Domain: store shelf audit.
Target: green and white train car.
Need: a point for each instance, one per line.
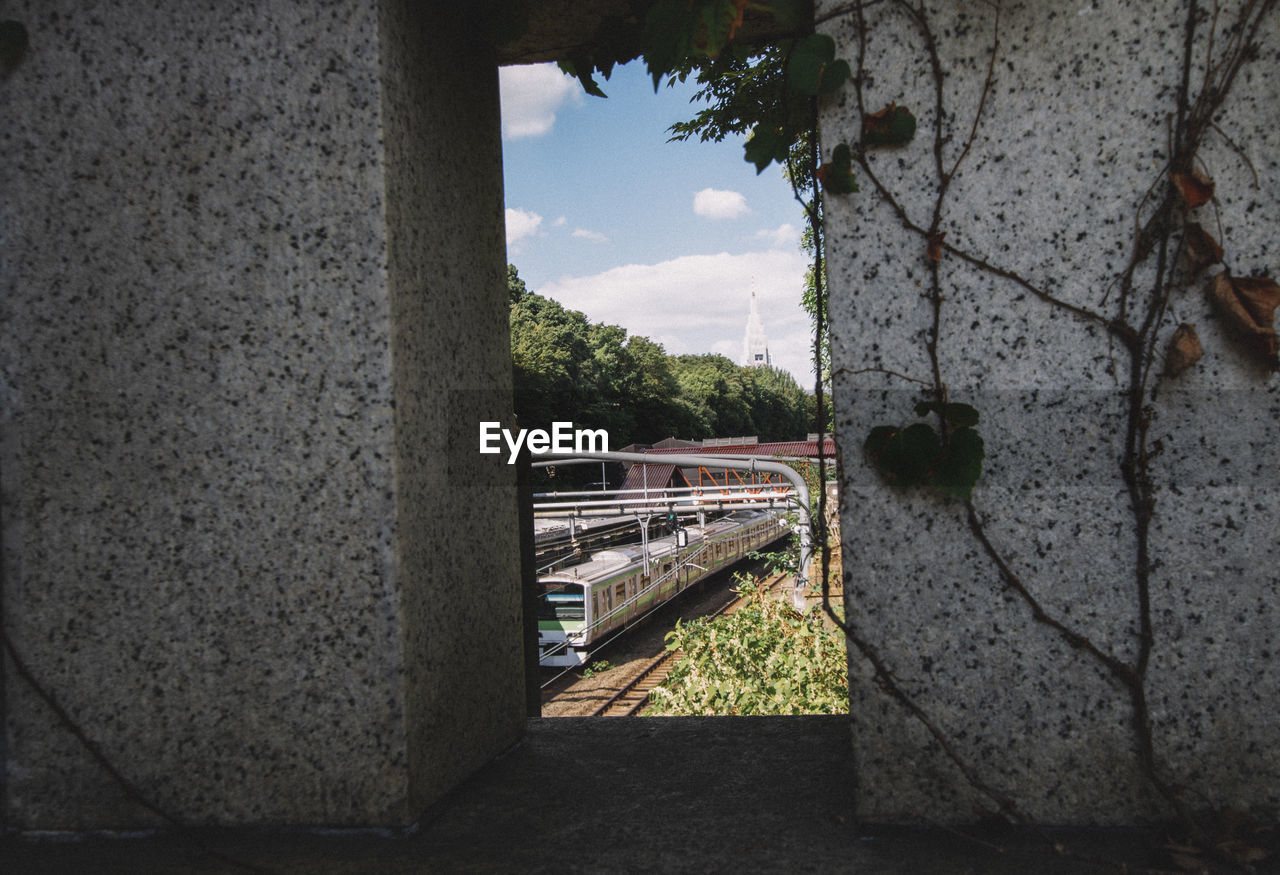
(581, 605)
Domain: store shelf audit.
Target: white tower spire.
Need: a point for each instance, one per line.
(755, 346)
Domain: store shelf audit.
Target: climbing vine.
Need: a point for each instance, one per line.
(1169, 251)
(1133, 318)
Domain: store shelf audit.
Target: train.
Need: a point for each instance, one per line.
(581, 605)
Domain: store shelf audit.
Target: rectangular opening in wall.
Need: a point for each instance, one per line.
(656, 294)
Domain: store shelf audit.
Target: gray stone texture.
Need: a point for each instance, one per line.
(253, 280)
(1074, 133)
(653, 794)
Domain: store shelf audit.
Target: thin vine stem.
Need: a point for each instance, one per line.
(1156, 235)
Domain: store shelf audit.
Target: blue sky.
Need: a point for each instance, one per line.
(665, 239)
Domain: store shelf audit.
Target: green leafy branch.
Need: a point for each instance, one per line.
(765, 658)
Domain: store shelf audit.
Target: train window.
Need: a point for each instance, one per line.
(561, 601)
(620, 591)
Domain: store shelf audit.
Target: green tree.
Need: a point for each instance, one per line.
(568, 368)
(516, 289)
(714, 387)
(606, 380)
(653, 392)
(549, 346)
(779, 407)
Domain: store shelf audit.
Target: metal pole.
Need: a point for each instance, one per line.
(644, 540)
(528, 588)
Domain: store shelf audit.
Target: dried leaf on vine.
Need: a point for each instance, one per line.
(892, 126)
(1195, 187)
(1249, 306)
(1184, 350)
(934, 249)
(1202, 250)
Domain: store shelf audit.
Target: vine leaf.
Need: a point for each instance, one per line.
(1195, 187)
(1202, 250)
(767, 146)
(678, 29)
(918, 456)
(582, 72)
(892, 126)
(1184, 350)
(814, 69)
(836, 175)
(961, 465)
(904, 457)
(1249, 306)
(957, 415)
(13, 45)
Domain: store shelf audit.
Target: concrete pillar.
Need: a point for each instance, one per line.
(253, 309)
(1066, 162)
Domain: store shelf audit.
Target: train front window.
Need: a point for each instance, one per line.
(561, 601)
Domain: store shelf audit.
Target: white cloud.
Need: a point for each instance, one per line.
(531, 97)
(593, 236)
(785, 236)
(560, 222)
(713, 203)
(699, 303)
(521, 224)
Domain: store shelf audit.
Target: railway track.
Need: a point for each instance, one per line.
(633, 697)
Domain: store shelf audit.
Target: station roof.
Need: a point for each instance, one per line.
(643, 474)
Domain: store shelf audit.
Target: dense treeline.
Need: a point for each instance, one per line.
(597, 376)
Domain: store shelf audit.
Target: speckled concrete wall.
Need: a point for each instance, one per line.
(1069, 150)
(251, 282)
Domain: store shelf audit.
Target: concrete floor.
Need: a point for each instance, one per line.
(753, 794)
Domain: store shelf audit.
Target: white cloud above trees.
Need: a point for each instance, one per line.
(531, 96)
(781, 237)
(699, 303)
(521, 224)
(714, 203)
